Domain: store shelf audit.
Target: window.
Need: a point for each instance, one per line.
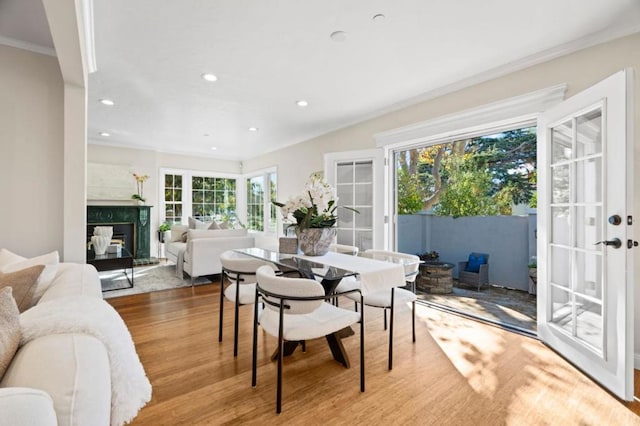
(173, 198)
(354, 186)
(261, 213)
(255, 203)
(213, 197)
(198, 194)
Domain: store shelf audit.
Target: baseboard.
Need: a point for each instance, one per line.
(636, 361)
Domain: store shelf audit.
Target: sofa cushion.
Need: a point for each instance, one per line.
(9, 328)
(74, 279)
(23, 283)
(474, 262)
(26, 407)
(215, 233)
(175, 248)
(176, 232)
(73, 369)
(49, 260)
(214, 225)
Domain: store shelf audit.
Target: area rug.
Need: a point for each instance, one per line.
(146, 279)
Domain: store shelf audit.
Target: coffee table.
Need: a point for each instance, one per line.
(113, 261)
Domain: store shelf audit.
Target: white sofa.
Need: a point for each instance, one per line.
(200, 254)
(61, 379)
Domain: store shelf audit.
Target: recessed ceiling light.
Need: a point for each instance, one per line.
(209, 77)
(338, 36)
(379, 17)
(213, 148)
(253, 129)
(302, 103)
(206, 135)
(108, 102)
(104, 134)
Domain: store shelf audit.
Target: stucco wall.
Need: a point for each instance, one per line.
(31, 152)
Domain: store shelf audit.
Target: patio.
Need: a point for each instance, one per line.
(515, 308)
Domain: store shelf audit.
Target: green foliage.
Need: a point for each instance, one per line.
(166, 226)
(410, 198)
(466, 195)
(480, 176)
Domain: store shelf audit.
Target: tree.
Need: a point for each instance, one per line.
(479, 176)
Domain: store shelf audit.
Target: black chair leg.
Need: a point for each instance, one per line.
(254, 360)
(391, 330)
(280, 356)
(362, 351)
(304, 346)
(385, 316)
(221, 306)
(237, 314)
(413, 320)
(355, 306)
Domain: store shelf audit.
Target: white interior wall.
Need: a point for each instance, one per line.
(31, 152)
(578, 70)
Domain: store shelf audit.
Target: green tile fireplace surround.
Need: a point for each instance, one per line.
(135, 218)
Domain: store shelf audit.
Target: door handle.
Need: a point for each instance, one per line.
(615, 243)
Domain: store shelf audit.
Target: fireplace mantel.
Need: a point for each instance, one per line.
(139, 216)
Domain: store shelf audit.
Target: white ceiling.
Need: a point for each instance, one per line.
(269, 54)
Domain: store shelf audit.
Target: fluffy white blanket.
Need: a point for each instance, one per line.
(130, 387)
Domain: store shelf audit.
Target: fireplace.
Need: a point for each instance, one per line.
(130, 223)
(123, 233)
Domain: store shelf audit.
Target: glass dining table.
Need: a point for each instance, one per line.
(329, 270)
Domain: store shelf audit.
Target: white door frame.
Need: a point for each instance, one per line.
(376, 156)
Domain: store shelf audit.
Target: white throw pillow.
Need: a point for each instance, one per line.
(49, 260)
(7, 257)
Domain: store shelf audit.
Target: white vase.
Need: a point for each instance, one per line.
(105, 231)
(315, 241)
(100, 243)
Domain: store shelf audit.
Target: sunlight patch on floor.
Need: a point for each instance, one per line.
(472, 350)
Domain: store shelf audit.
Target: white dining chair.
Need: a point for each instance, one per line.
(388, 299)
(240, 272)
(296, 310)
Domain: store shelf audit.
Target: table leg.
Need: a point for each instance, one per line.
(289, 349)
(337, 349)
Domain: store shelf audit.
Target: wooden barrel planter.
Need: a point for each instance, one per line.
(435, 277)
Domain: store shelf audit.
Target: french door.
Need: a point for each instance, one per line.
(585, 239)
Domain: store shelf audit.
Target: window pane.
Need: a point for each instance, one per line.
(589, 322)
(589, 180)
(560, 184)
(561, 313)
(561, 270)
(561, 142)
(560, 226)
(364, 172)
(589, 133)
(345, 172)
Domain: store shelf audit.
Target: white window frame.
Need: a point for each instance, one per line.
(270, 229)
(518, 111)
(187, 175)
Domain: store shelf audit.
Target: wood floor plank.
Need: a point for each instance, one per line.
(459, 372)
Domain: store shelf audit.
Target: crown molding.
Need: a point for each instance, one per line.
(25, 45)
(500, 113)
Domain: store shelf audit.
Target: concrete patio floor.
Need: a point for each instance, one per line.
(497, 304)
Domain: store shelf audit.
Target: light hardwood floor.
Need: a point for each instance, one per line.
(459, 372)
